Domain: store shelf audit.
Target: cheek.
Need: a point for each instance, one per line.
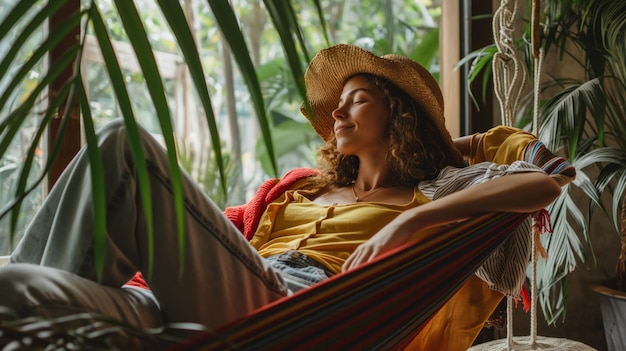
(384, 124)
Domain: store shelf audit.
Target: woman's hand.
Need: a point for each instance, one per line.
(394, 234)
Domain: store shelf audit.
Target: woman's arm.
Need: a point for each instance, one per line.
(520, 192)
(464, 144)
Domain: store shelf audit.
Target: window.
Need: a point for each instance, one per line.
(11, 163)
(392, 25)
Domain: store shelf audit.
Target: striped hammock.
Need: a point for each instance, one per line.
(379, 306)
(382, 305)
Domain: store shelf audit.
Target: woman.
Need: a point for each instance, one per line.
(387, 154)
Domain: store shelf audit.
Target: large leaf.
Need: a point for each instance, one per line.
(428, 49)
(123, 100)
(178, 23)
(284, 19)
(230, 29)
(97, 176)
(563, 117)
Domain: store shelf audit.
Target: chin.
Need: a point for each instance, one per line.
(344, 151)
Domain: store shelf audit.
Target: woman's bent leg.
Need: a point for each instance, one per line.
(219, 279)
(48, 292)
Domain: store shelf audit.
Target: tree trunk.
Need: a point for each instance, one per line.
(71, 143)
(236, 193)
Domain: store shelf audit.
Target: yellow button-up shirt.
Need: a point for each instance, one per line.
(327, 234)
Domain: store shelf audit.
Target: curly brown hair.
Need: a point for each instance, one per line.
(416, 148)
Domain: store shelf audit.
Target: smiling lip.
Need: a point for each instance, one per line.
(341, 128)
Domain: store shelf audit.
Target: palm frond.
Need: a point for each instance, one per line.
(123, 100)
(230, 29)
(176, 18)
(97, 176)
(563, 117)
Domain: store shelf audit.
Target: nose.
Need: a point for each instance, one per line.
(338, 113)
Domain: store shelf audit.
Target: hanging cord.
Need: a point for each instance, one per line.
(509, 75)
(539, 223)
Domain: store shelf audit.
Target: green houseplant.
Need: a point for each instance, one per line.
(581, 118)
(586, 117)
(604, 93)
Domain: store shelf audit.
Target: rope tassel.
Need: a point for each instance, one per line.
(541, 224)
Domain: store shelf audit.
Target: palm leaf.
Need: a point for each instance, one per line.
(615, 160)
(228, 22)
(481, 64)
(138, 37)
(97, 176)
(35, 58)
(563, 116)
(280, 10)
(178, 23)
(123, 100)
(428, 49)
(28, 30)
(321, 15)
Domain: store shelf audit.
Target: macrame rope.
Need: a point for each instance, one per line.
(509, 75)
(539, 223)
(536, 243)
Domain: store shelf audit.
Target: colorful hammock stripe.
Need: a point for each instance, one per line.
(380, 305)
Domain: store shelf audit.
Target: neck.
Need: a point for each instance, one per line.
(373, 175)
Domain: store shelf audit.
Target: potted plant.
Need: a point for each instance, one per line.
(583, 119)
(608, 19)
(588, 119)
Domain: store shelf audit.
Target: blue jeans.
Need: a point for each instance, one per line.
(298, 270)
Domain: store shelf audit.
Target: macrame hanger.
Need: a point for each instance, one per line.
(509, 75)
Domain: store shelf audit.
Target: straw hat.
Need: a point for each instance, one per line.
(330, 69)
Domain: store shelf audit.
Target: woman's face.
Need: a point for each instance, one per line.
(361, 118)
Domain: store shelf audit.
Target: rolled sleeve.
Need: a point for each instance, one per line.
(505, 269)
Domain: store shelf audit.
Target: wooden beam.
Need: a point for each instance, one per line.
(449, 36)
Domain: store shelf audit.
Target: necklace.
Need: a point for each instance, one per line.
(357, 198)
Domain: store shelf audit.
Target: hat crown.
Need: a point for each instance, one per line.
(423, 73)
